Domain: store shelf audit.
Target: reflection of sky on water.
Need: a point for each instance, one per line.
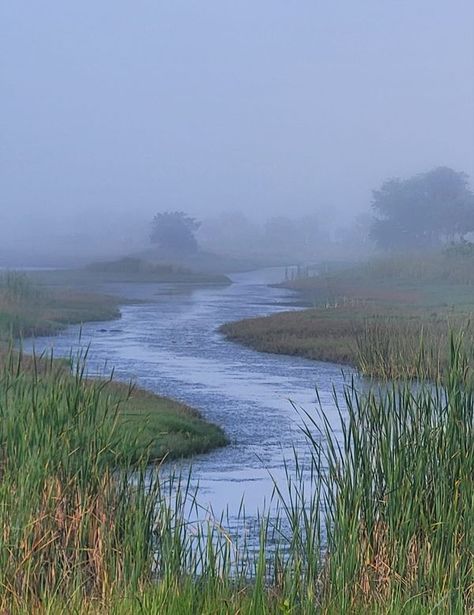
(169, 344)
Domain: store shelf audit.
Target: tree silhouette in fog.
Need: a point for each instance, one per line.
(173, 232)
(423, 211)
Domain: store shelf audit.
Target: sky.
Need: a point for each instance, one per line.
(117, 109)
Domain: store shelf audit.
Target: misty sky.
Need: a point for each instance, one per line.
(258, 105)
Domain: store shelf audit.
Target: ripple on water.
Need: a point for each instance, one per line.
(170, 345)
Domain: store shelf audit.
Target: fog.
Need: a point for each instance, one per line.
(113, 110)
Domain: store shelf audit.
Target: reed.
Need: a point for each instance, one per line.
(399, 490)
(379, 518)
(389, 318)
(390, 348)
(27, 308)
(67, 509)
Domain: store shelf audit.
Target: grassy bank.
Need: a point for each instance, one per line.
(126, 270)
(28, 309)
(165, 427)
(389, 318)
(380, 520)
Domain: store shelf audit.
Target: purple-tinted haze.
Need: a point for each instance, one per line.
(270, 107)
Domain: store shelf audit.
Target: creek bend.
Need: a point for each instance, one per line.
(169, 344)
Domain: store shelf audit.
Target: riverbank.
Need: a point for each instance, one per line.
(389, 318)
(164, 428)
(126, 270)
(28, 309)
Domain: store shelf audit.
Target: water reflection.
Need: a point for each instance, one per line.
(168, 342)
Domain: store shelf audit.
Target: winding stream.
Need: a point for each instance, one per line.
(170, 345)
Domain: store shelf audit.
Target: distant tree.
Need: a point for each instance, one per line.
(174, 231)
(423, 211)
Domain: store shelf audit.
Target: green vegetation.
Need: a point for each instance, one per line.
(124, 270)
(390, 318)
(130, 269)
(380, 520)
(165, 428)
(72, 522)
(28, 309)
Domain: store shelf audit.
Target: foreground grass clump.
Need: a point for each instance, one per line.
(80, 517)
(73, 524)
(161, 428)
(401, 494)
(379, 520)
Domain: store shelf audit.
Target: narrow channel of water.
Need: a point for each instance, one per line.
(170, 345)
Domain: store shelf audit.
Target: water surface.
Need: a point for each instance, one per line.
(170, 345)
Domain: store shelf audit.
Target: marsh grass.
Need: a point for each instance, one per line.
(20, 301)
(67, 509)
(389, 348)
(389, 318)
(453, 266)
(382, 344)
(128, 270)
(82, 517)
(27, 308)
(163, 427)
(380, 519)
(400, 494)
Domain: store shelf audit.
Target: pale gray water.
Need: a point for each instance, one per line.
(170, 345)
